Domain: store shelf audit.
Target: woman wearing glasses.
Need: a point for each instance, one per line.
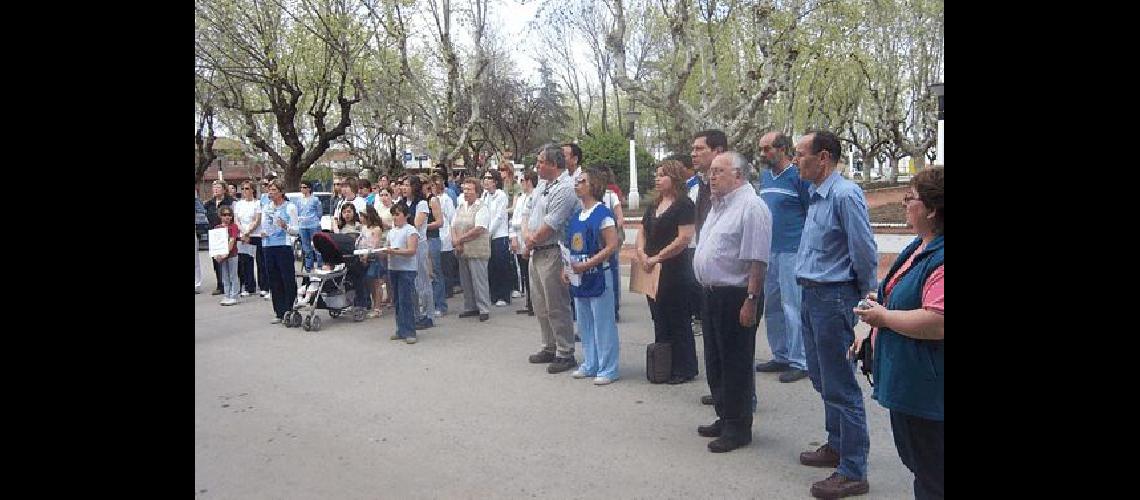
(500, 272)
(247, 211)
(908, 339)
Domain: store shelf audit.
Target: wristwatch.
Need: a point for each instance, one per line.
(751, 296)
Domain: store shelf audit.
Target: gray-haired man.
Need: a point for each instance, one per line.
(729, 263)
(553, 203)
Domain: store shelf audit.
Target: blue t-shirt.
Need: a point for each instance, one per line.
(787, 197)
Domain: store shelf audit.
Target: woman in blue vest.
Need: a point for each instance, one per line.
(908, 339)
(591, 237)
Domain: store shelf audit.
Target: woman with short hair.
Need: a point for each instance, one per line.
(473, 247)
(908, 338)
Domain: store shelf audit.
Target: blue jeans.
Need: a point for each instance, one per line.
(403, 285)
(306, 235)
(598, 331)
(829, 329)
(282, 280)
(423, 300)
(782, 296)
(437, 280)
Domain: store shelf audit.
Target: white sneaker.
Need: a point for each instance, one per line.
(515, 294)
(437, 314)
(603, 381)
(579, 374)
(244, 293)
(500, 303)
(228, 302)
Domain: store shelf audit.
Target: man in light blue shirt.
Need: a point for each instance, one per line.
(836, 267)
(786, 195)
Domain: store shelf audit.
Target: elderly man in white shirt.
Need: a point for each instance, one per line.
(730, 263)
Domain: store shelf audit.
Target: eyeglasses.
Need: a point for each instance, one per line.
(306, 187)
(908, 198)
(227, 215)
(247, 188)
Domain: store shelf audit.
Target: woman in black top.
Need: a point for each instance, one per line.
(667, 228)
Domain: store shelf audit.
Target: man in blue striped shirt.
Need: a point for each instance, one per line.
(786, 195)
(836, 267)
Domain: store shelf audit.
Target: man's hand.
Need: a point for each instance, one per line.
(458, 248)
(748, 314)
(580, 267)
(565, 277)
(514, 246)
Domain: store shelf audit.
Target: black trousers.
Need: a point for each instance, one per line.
(729, 352)
(262, 278)
(246, 273)
(524, 270)
(922, 447)
(696, 296)
(671, 312)
(450, 272)
(217, 275)
(500, 272)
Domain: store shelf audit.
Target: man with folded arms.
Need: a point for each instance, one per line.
(729, 264)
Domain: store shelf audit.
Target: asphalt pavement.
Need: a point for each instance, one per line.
(346, 413)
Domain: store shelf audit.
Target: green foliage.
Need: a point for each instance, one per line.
(321, 173)
(613, 149)
(530, 160)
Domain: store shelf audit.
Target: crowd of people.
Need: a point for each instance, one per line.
(792, 244)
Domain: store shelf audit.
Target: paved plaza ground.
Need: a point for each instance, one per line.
(346, 413)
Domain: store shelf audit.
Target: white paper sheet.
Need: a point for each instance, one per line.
(219, 242)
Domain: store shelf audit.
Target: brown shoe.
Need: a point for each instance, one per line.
(561, 364)
(839, 486)
(825, 456)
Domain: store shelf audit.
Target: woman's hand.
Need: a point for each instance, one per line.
(580, 267)
(875, 315)
(565, 277)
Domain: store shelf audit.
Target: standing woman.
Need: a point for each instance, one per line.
(613, 202)
(280, 221)
(446, 247)
(420, 209)
(473, 247)
(435, 222)
(384, 205)
(908, 339)
(247, 214)
(518, 243)
(667, 228)
(591, 236)
(309, 213)
(500, 272)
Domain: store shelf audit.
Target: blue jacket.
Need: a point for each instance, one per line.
(909, 373)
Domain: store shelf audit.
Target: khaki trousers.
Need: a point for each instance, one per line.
(551, 301)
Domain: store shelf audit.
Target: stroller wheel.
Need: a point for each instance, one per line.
(316, 323)
(333, 313)
(358, 314)
(296, 320)
(287, 319)
(307, 324)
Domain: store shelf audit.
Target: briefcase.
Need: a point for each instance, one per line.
(658, 362)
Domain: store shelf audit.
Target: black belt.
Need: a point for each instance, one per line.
(725, 288)
(804, 282)
(545, 247)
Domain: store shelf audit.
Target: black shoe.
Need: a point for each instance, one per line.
(707, 399)
(792, 375)
(577, 338)
(542, 357)
(484, 317)
(560, 365)
(217, 292)
(724, 444)
(527, 312)
(712, 430)
(773, 367)
(468, 314)
(677, 379)
(424, 325)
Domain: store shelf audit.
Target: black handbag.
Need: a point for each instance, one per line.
(866, 359)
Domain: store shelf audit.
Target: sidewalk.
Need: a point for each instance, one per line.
(346, 413)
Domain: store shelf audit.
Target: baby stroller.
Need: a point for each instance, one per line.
(332, 290)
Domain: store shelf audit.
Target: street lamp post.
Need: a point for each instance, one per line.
(938, 90)
(634, 197)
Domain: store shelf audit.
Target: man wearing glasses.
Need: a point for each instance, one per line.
(835, 266)
(787, 198)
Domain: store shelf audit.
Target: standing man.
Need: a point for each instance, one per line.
(219, 200)
(337, 197)
(572, 153)
(836, 267)
(786, 195)
(280, 219)
(730, 262)
(553, 203)
(706, 145)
